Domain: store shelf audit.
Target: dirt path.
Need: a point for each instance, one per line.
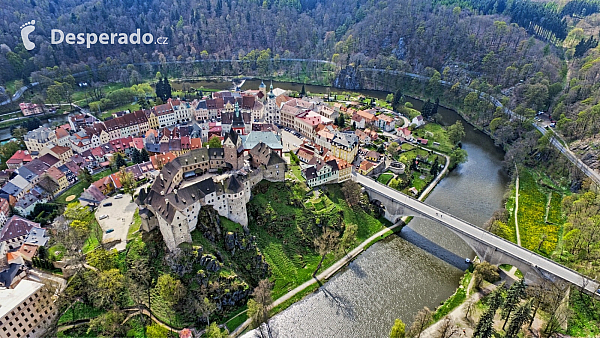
(458, 315)
(548, 207)
(517, 210)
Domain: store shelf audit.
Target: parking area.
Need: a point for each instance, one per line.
(289, 140)
(544, 120)
(117, 214)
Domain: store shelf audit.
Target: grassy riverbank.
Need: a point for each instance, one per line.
(286, 242)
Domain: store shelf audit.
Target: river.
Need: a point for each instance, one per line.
(5, 134)
(421, 266)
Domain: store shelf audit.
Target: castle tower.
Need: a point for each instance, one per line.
(273, 115)
(234, 150)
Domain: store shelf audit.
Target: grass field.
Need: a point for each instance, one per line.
(78, 187)
(137, 223)
(129, 106)
(435, 133)
(455, 300)
(535, 234)
(79, 311)
(385, 178)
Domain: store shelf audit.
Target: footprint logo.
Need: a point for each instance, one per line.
(27, 29)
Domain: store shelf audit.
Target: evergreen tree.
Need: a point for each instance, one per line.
(118, 161)
(515, 293)
(303, 92)
(427, 110)
(435, 168)
(136, 156)
(167, 88)
(436, 106)
(485, 326)
(397, 98)
(160, 91)
(584, 45)
(85, 176)
(521, 316)
(144, 156)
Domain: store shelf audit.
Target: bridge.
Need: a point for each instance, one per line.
(487, 246)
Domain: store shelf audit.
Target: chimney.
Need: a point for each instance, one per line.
(161, 177)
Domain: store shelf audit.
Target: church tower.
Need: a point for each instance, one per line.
(262, 88)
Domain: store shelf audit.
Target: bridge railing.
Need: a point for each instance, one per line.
(534, 258)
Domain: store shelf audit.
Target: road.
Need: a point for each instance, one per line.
(517, 210)
(469, 230)
(290, 141)
(589, 172)
(18, 94)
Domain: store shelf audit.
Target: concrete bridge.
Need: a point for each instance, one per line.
(487, 246)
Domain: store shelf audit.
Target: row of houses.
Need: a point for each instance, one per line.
(26, 306)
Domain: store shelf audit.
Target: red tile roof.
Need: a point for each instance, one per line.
(21, 156)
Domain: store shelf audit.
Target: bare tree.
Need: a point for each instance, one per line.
(448, 329)
(327, 242)
(421, 321)
(469, 306)
(258, 309)
(352, 192)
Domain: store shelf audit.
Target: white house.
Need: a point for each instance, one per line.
(418, 121)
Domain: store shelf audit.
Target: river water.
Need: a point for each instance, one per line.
(5, 134)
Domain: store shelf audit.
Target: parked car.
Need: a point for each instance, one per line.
(107, 204)
(109, 231)
(103, 217)
(119, 196)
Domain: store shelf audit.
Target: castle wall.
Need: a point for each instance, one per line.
(275, 173)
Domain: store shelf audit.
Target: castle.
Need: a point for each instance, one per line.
(195, 179)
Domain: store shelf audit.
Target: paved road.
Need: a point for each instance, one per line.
(589, 172)
(19, 92)
(469, 230)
